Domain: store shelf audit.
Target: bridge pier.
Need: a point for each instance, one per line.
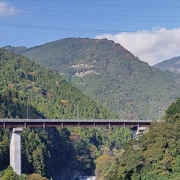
(136, 131)
(15, 149)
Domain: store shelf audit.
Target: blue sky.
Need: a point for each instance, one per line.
(149, 29)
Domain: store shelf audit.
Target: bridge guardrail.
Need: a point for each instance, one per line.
(75, 120)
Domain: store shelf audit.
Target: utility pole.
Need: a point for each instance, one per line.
(77, 112)
(121, 114)
(121, 111)
(161, 111)
(27, 108)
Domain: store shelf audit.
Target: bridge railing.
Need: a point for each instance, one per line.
(75, 120)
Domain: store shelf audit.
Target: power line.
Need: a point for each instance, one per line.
(106, 5)
(123, 17)
(54, 28)
(104, 19)
(25, 11)
(92, 14)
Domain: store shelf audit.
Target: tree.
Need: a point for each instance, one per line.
(36, 177)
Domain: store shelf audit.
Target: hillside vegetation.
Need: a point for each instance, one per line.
(154, 156)
(53, 152)
(24, 82)
(110, 75)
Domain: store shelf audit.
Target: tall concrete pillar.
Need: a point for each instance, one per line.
(15, 149)
(134, 131)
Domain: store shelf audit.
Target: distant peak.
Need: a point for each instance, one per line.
(18, 49)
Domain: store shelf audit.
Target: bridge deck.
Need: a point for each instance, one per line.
(11, 123)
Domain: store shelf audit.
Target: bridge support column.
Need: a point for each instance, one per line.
(15, 149)
(136, 131)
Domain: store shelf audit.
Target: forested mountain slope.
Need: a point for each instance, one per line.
(24, 82)
(172, 64)
(110, 75)
(53, 152)
(154, 156)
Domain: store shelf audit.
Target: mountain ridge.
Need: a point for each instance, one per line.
(17, 49)
(110, 75)
(172, 64)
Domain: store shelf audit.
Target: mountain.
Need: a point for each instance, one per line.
(110, 75)
(172, 65)
(46, 92)
(29, 91)
(17, 50)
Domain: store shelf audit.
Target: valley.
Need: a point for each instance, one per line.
(88, 79)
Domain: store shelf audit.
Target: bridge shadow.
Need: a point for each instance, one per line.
(57, 155)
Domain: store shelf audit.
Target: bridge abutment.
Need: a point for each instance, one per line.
(137, 131)
(15, 149)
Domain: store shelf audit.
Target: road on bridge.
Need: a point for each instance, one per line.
(11, 123)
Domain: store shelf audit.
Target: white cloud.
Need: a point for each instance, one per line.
(7, 9)
(151, 46)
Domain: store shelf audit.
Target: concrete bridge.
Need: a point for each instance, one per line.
(43, 123)
(16, 126)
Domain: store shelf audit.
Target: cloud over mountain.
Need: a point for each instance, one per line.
(7, 9)
(151, 46)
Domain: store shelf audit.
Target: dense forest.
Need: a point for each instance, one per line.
(155, 155)
(24, 82)
(29, 91)
(110, 75)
